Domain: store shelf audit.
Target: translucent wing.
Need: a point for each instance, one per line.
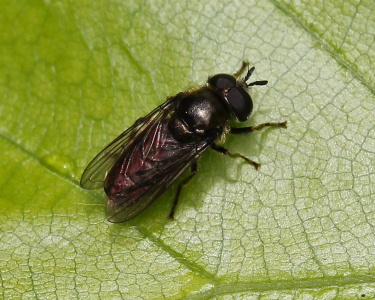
(95, 173)
(146, 170)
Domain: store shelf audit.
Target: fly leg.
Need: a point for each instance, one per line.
(243, 130)
(193, 169)
(245, 65)
(225, 151)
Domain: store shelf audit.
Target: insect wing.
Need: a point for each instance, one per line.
(143, 194)
(147, 170)
(95, 173)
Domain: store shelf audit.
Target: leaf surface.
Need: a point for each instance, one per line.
(74, 75)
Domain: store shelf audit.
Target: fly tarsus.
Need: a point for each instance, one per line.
(225, 151)
(243, 130)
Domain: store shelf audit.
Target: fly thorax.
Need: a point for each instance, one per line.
(200, 113)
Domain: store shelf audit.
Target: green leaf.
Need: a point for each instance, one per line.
(74, 75)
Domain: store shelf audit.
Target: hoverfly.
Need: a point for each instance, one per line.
(141, 163)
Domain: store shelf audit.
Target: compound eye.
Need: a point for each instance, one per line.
(240, 103)
(222, 81)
